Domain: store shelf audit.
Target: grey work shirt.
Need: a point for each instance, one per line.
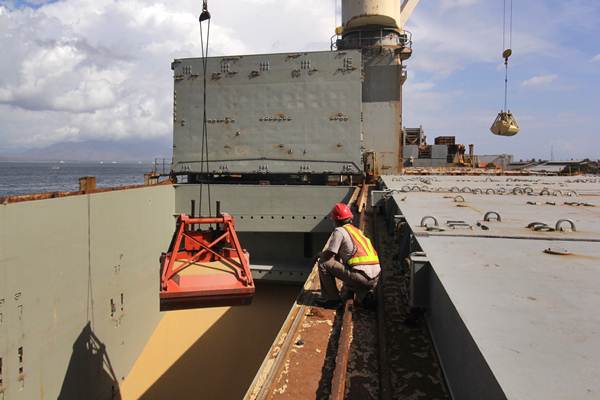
(341, 244)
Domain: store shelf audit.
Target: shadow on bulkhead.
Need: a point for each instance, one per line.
(90, 373)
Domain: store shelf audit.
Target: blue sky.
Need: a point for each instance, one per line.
(89, 70)
(554, 79)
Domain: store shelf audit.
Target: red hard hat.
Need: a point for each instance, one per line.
(341, 212)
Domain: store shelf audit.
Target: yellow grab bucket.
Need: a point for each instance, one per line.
(505, 125)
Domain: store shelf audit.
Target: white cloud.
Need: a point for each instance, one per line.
(540, 80)
(100, 69)
(419, 86)
(448, 4)
(463, 32)
(596, 58)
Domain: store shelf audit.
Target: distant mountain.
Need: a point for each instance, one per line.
(95, 150)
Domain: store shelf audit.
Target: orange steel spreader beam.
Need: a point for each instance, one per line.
(205, 266)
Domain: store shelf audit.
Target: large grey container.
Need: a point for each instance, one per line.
(439, 151)
(270, 113)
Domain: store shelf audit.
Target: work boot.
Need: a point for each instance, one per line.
(327, 303)
(369, 302)
(346, 293)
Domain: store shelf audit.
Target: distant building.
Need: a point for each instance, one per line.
(571, 167)
(501, 161)
(417, 153)
(445, 152)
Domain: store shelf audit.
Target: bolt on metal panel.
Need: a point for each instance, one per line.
(270, 113)
(268, 208)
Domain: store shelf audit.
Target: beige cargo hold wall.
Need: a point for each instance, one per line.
(78, 290)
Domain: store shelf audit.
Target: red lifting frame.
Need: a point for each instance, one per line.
(229, 285)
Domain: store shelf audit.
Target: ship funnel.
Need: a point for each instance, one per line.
(358, 14)
(375, 23)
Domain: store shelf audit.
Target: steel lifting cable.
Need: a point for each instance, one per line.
(505, 123)
(204, 166)
(506, 51)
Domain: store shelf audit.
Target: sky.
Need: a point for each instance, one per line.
(100, 69)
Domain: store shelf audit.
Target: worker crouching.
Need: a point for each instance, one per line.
(350, 257)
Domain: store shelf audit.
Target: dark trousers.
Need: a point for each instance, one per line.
(355, 281)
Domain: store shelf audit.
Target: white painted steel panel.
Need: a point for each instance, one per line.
(275, 113)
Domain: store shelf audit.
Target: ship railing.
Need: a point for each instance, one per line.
(372, 38)
(162, 166)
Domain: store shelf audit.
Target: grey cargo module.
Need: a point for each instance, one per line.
(270, 113)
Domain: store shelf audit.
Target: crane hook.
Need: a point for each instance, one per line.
(205, 14)
(505, 54)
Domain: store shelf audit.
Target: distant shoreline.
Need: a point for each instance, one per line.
(102, 162)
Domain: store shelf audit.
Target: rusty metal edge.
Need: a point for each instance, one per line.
(362, 203)
(338, 382)
(259, 387)
(462, 171)
(354, 196)
(54, 195)
(384, 372)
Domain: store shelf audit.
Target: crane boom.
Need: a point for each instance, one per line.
(406, 10)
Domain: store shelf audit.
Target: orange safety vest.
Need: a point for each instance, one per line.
(365, 253)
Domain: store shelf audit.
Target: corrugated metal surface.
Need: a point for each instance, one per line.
(439, 151)
(430, 162)
(410, 150)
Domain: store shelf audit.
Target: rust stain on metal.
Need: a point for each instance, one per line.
(311, 356)
(54, 195)
(399, 131)
(303, 373)
(338, 382)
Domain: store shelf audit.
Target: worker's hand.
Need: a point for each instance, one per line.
(315, 259)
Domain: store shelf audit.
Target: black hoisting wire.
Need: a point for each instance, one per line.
(204, 166)
(506, 51)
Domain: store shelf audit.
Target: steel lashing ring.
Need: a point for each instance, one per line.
(477, 191)
(517, 190)
(466, 189)
(405, 188)
(454, 189)
(492, 214)
(528, 190)
(545, 191)
(427, 217)
(415, 189)
(557, 193)
(571, 193)
(540, 227)
(561, 221)
(490, 191)
(459, 199)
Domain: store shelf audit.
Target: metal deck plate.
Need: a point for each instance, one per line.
(533, 316)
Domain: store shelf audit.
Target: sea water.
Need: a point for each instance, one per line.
(40, 177)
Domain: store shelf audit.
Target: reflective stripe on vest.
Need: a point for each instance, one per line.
(365, 253)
